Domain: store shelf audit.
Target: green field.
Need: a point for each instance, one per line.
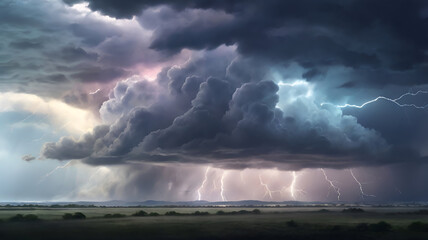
(271, 223)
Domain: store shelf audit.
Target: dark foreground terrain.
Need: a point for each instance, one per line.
(213, 223)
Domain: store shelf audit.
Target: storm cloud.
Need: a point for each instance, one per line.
(241, 113)
(246, 93)
(209, 115)
(315, 34)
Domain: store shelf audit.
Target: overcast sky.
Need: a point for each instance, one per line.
(213, 100)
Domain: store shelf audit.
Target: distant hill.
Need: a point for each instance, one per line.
(153, 203)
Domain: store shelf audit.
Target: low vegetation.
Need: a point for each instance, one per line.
(140, 213)
(245, 224)
(255, 211)
(353, 210)
(24, 218)
(76, 215)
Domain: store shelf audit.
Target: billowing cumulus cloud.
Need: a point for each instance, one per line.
(211, 115)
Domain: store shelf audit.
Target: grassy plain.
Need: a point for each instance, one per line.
(271, 223)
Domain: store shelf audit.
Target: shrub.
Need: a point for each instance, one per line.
(418, 227)
(76, 215)
(172, 213)
(17, 218)
(79, 215)
(140, 213)
(353, 210)
(256, 211)
(31, 218)
(291, 223)
(154, 214)
(198, 213)
(220, 212)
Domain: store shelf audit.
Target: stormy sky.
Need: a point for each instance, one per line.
(213, 100)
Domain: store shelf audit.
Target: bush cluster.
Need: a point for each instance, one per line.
(76, 215)
(255, 211)
(140, 213)
(353, 210)
(173, 213)
(198, 213)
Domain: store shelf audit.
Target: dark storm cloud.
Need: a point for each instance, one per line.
(210, 115)
(129, 8)
(408, 127)
(224, 105)
(57, 51)
(382, 35)
(44, 57)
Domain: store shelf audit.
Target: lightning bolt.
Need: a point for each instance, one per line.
(203, 184)
(94, 92)
(54, 170)
(293, 190)
(363, 194)
(395, 101)
(332, 185)
(223, 198)
(268, 191)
